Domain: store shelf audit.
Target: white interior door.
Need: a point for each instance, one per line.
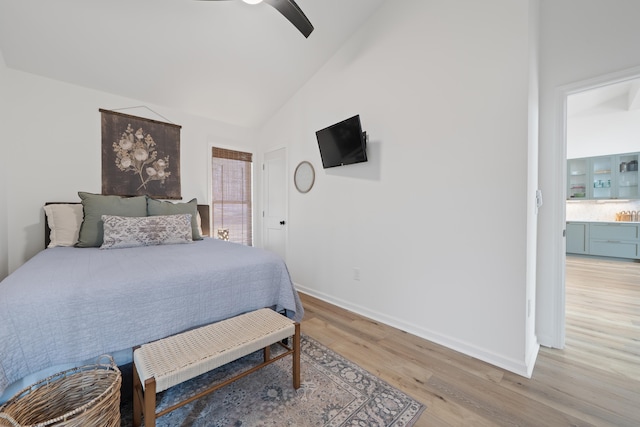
(275, 201)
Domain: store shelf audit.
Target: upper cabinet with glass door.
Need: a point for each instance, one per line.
(577, 179)
(605, 177)
(602, 177)
(627, 176)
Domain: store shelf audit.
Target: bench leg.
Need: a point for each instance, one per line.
(266, 354)
(144, 401)
(150, 402)
(296, 358)
(137, 397)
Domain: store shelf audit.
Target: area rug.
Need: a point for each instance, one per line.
(333, 392)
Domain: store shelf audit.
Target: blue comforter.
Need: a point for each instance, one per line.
(71, 304)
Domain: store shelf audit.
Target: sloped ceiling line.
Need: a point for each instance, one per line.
(227, 61)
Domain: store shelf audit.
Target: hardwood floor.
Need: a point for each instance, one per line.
(594, 381)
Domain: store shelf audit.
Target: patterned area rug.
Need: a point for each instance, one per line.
(333, 392)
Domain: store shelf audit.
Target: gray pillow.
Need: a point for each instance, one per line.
(96, 205)
(157, 207)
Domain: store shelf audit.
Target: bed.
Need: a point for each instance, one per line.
(67, 305)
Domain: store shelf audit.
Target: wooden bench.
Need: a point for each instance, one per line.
(162, 364)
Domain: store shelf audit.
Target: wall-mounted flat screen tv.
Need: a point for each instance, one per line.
(343, 143)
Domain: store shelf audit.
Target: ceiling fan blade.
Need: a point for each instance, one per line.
(290, 10)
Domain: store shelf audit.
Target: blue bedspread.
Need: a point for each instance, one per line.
(71, 304)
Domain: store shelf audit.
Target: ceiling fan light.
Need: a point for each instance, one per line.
(252, 1)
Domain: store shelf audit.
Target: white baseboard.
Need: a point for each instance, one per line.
(531, 359)
(522, 368)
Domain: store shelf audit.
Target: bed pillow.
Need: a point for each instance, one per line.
(130, 232)
(64, 220)
(96, 205)
(157, 207)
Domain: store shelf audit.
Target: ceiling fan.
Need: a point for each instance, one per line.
(290, 10)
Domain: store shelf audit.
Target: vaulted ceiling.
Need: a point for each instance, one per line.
(623, 96)
(225, 60)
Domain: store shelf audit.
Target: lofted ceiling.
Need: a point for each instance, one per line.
(225, 60)
(623, 96)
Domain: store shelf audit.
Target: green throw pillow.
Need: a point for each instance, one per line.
(157, 207)
(96, 205)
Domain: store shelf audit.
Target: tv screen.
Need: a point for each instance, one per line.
(343, 143)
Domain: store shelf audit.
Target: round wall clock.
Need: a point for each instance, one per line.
(304, 177)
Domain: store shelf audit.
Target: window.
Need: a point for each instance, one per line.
(231, 184)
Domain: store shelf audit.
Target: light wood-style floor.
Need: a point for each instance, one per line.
(594, 381)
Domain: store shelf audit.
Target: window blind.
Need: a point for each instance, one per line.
(231, 187)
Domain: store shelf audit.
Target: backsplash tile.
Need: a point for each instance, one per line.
(591, 210)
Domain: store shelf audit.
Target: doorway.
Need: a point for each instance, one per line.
(584, 98)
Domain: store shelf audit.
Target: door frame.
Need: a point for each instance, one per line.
(559, 289)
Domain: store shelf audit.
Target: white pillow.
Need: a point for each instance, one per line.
(64, 220)
(133, 231)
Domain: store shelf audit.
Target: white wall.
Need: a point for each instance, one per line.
(580, 40)
(52, 142)
(436, 221)
(610, 128)
(4, 249)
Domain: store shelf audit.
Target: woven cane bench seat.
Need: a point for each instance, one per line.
(162, 364)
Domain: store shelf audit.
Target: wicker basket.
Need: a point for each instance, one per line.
(84, 396)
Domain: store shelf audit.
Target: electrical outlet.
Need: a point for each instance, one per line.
(356, 274)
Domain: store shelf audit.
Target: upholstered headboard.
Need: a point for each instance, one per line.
(203, 210)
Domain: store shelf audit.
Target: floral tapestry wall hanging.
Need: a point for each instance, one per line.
(140, 156)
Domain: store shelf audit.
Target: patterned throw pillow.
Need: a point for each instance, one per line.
(129, 232)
